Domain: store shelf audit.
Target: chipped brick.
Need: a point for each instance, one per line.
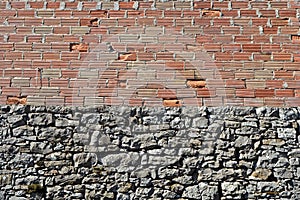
(196, 83)
(172, 103)
(79, 47)
(211, 13)
(16, 100)
(131, 56)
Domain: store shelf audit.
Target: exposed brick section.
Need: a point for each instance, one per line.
(246, 51)
(79, 47)
(16, 100)
(196, 83)
(127, 56)
(172, 103)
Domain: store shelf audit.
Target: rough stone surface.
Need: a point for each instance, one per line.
(149, 153)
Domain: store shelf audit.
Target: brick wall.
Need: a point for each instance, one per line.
(173, 53)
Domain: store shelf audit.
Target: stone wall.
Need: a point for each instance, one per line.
(144, 153)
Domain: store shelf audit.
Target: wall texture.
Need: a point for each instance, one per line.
(238, 53)
(149, 153)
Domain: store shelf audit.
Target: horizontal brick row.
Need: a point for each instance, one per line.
(79, 5)
(98, 101)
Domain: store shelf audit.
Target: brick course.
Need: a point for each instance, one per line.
(245, 52)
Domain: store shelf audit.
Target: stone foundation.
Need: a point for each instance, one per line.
(149, 153)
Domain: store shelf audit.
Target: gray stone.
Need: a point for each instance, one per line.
(40, 119)
(200, 122)
(16, 120)
(286, 133)
(85, 159)
(242, 141)
(261, 174)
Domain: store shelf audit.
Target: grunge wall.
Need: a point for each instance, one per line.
(236, 53)
(149, 99)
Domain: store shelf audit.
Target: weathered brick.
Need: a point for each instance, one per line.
(172, 103)
(211, 13)
(80, 30)
(43, 30)
(245, 93)
(16, 100)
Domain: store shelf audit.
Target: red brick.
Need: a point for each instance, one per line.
(172, 13)
(264, 93)
(135, 102)
(282, 56)
(270, 30)
(232, 47)
(25, 13)
(278, 4)
(223, 56)
(74, 101)
(69, 92)
(274, 84)
(255, 102)
(274, 102)
(292, 101)
(135, 13)
(17, 5)
(191, 13)
(245, 93)
(229, 13)
(192, 102)
(203, 39)
(279, 22)
(201, 22)
(262, 57)
(213, 102)
(11, 91)
(5, 13)
(284, 93)
(99, 13)
(51, 4)
(239, 4)
(235, 83)
(126, 5)
(221, 21)
(213, 30)
(165, 56)
(244, 74)
(55, 101)
(248, 13)
(242, 39)
(260, 5)
(241, 56)
(252, 47)
(205, 92)
(174, 65)
(166, 94)
(202, 4)
(222, 5)
(212, 47)
(268, 13)
(4, 82)
(284, 75)
(89, 5)
(153, 13)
